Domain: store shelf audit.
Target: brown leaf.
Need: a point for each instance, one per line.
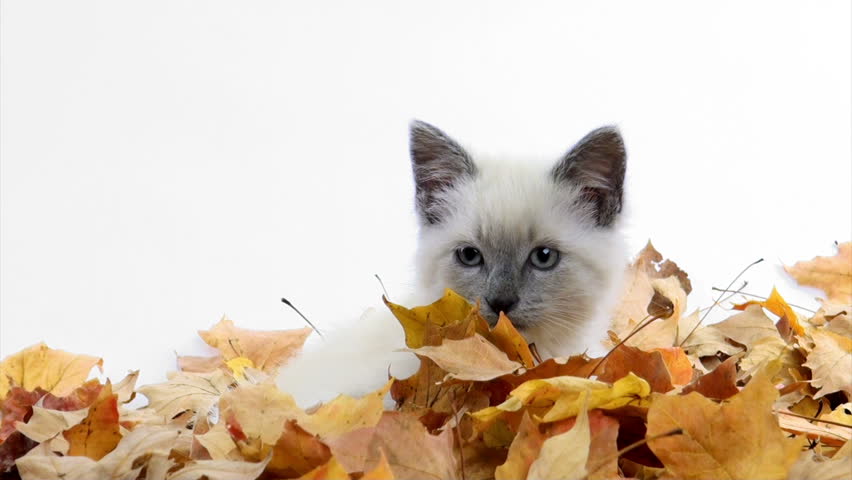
(648, 365)
(719, 384)
(833, 275)
(738, 439)
(267, 350)
(297, 452)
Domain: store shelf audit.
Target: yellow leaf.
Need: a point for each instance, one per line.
(450, 308)
(737, 439)
(345, 413)
(39, 366)
(238, 365)
(560, 397)
(833, 275)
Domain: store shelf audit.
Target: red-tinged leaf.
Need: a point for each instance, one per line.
(719, 384)
(98, 434)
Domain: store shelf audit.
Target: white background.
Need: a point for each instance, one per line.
(168, 162)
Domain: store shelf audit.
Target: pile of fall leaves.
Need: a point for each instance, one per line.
(763, 394)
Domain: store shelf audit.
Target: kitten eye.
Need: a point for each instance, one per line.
(469, 256)
(544, 258)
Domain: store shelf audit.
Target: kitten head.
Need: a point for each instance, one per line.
(538, 243)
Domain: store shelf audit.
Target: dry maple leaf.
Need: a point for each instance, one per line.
(345, 413)
(831, 363)
(195, 392)
(472, 358)
(125, 461)
(833, 275)
(411, 451)
(39, 366)
(737, 439)
(267, 350)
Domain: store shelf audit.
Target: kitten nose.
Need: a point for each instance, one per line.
(502, 303)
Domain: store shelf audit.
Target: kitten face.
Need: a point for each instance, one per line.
(540, 244)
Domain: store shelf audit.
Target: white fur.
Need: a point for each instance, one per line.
(520, 195)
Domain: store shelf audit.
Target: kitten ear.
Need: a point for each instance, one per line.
(438, 163)
(596, 164)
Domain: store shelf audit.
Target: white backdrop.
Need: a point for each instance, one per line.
(163, 163)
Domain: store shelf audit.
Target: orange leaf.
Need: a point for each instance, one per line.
(509, 340)
(98, 434)
(677, 364)
(777, 305)
(297, 452)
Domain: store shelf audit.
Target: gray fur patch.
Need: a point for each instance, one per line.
(597, 165)
(438, 162)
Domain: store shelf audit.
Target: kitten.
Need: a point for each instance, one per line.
(540, 244)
